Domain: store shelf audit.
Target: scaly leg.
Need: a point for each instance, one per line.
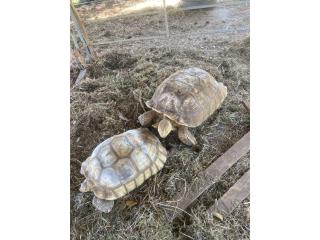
(102, 205)
(147, 117)
(186, 136)
(164, 127)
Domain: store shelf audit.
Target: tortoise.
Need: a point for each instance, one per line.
(120, 164)
(185, 99)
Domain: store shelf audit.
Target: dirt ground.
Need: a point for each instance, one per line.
(111, 98)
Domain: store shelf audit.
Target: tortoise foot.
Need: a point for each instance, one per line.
(102, 205)
(186, 136)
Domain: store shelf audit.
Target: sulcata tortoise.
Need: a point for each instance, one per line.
(120, 164)
(185, 99)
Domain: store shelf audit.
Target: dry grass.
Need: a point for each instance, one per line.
(109, 102)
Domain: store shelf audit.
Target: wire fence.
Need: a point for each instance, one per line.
(116, 15)
(130, 21)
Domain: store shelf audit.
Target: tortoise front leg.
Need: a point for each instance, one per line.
(102, 205)
(164, 127)
(186, 136)
(147, 117)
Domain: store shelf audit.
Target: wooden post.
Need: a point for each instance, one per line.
(82, 33)
(81, 76)
(166, 17)
(74, 41)
(246, 104)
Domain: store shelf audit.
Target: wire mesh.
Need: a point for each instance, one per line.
(152, 19)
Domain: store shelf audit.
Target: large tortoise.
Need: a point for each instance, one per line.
(120, 164)
(185, 99)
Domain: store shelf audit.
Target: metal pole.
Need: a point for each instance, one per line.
(165, 17)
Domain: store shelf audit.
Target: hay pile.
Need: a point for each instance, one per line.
(109, 101)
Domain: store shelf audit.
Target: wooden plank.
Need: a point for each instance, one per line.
(81, 31)
(165, 17)
(246, 104)
(208, 177)
(74, 41)
(81, 76)
(232, 198)
(80, 59)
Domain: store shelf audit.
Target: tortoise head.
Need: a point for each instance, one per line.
(164, 127)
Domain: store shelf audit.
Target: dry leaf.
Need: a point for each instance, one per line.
(131, 203)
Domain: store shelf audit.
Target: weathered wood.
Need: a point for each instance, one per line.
(74, 41)
(165, 17)
(81, 76)
(81, 31)
(80, 59)
(246, 104)
(232, 198)
(208, 177)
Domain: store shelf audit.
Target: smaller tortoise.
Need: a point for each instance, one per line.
(185, 99)
(120, 164)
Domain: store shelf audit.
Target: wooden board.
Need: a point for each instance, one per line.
(246, 104)
(232, 198)
(208, 177)
(81, 31)
(81, 76)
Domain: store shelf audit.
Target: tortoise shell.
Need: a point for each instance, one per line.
(188, 97)
(122, 163)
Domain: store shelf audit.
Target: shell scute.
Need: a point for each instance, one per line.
(151, 150)
(154, 169)
(109, 178)
(120, 191)
(125, 170)
(106, 156)
(121, 146)
(94, 168)
(130, 186)
(140, 159)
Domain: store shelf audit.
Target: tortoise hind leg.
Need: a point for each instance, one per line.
(186, 136)
(147, 117)
(102, 205)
